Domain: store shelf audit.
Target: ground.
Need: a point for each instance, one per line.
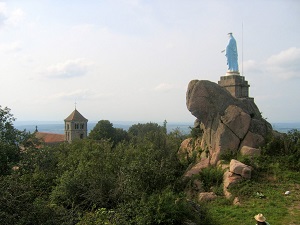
(275, 205)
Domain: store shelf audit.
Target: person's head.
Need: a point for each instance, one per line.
(260, 219)
(229, 35)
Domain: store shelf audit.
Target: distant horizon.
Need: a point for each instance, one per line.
(58, 126)
(130, 121)
(96, 121)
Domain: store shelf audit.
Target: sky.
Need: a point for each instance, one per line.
(132, 60)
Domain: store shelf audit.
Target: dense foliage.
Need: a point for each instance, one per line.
(105, 130)
(10, 138)
(286, 149)
(117, 177)
(113, 177)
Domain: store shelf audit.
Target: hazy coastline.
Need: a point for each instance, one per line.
(184, 127)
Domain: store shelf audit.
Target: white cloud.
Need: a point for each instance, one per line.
(286, 64)
(69, 69)
(133, 3)
(164, 87)
(251, 66)
(11, 47)
(83, 28)
(3, 13)
(79, 94)
(15, 17)
(10, 17)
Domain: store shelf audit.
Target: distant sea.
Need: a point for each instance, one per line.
(58, 127)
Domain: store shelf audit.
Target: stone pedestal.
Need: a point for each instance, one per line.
(235, 84)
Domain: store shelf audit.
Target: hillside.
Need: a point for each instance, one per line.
(136, 177)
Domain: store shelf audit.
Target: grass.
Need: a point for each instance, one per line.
(276, 171)
(276, 206)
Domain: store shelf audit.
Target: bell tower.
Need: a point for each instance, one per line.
(75, 126)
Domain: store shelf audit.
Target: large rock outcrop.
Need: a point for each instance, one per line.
(228, 123)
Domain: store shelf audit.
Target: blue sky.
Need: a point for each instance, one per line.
(132, 60)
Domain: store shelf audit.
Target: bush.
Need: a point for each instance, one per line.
(228, 155)
(211, 177)
(286, 149)
(164, 208)
(196, 132)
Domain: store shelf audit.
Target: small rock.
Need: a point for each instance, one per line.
(239, 168)
(207, 196)
(236, 201)
(249, 151)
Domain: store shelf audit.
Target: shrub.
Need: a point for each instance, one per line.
(211, 177)
(228, 155)
(196, 132)
(286, 149)
(164, 208)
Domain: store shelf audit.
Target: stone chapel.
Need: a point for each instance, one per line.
(75, 126)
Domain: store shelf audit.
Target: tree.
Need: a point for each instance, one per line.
(88, 175)
(8, 134)
(23, 203)
(120, 135)
(103, 130)
(142, 129)
(10, 139)
(9, 156)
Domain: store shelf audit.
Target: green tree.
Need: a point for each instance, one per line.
(120, 135)
(140, 130)
(96, 177)
(9, 156)
(165, 207)
(23, 202)
(103, 130)
(151, 132)
(293, 143)
(10, 140)
(88, 175)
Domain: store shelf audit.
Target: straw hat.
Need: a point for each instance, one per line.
(260, 218)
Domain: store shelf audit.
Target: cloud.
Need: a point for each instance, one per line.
(164, 87)
(10, 17)
(286, 64)
(80, 94)
(15, 17)
(69, 69)
(133, 3)
(251, 66)
(84, 28)
(11, 47)
(3, 13)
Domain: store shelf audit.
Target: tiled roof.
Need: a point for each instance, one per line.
(75, 116)
(50, 137)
